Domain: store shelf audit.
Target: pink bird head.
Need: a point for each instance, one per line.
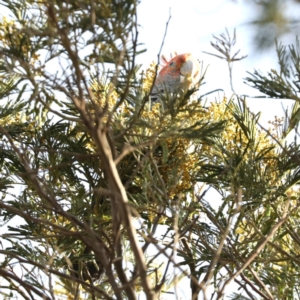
(173, 66)
(179, 73)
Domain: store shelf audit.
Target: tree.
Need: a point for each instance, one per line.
(97, 185)
(273, 19)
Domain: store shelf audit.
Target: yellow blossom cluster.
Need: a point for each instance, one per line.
(104, 95)
(177, 161)
(53, 232)
(8, 120)
(149, 77)
(13, 36)
(66, 291)
(233, 137)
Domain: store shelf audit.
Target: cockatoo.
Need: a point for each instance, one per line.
(179, 74)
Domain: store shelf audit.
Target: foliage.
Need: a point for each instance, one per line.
(273, 19)
(108, 196)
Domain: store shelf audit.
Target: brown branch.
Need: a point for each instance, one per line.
(115, 184)
(224, 234)
(260, 282)
(55, 272)
(92, 240)
(28, 287)
(127, 149)
(257, 249)
(194, 287)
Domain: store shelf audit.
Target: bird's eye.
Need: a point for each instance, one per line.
(172, 63)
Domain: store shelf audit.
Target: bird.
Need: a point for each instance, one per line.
(179, 74)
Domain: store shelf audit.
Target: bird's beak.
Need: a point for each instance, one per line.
(187, 68)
